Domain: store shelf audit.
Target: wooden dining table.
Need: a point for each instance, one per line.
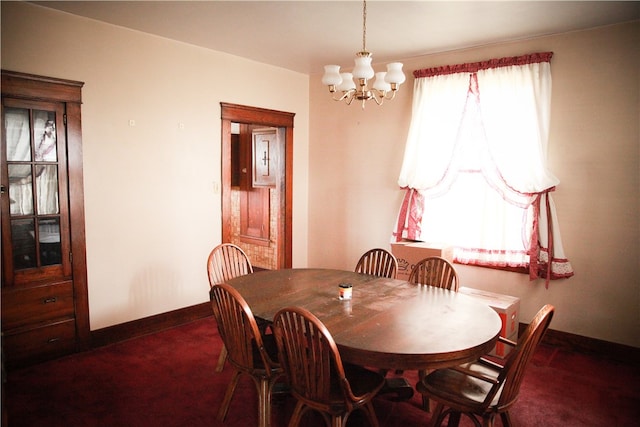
(387, 324)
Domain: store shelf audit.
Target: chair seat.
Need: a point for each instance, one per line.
(459, 389)
(270, 346)
(362, 380)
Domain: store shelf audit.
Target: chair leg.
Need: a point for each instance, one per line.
(454, 419)
(487, 420)
(436, 417)
(297, 414)
(425, 400)
(264, 402)
(506, 419)
(224, 407)
(371, 414)
(221, 359)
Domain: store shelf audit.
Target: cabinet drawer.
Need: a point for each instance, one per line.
(22, 307)
(40, 343)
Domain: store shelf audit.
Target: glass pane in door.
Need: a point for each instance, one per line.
(24, 244)
(18, 132)
(49, 239)
(44, 130)
(47, 189)
(20, 189)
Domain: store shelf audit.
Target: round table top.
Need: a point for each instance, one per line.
(388, 323)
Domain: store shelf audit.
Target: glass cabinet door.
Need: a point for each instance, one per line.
(34, 212)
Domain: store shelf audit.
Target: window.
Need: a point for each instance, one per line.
(475, 170)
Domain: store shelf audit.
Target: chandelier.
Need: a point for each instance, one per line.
(384, 86)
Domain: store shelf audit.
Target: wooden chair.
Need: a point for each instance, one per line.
(378, 262)
(382, 263)
(249, 352)
(435, 271)
(485, 388)
(225, 262)
(317, 377)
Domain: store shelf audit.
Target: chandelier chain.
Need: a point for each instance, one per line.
(364, 25)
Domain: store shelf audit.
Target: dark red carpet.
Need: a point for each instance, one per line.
(168, 379)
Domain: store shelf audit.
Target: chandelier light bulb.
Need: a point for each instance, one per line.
(380, 83)
(394, 73)
(331, 75)
(363, 68)
(347, 83)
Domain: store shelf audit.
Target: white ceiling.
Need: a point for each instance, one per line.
(305, 35)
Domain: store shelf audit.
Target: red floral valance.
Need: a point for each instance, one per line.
(483, 65)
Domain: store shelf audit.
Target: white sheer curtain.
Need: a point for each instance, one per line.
(425, 165)
(516, 104)
(475, 165)
(18, 137)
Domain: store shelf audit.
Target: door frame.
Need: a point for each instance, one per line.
(264, 117)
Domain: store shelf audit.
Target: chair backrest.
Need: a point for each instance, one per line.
(435, 271)
(517, 361)
(378, 262)
(227, 261)
(309, 357)
(239, 330)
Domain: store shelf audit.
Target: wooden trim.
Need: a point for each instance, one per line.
(591, 346)
(225, 171)
(286, 229)
(149, 325)
(77, 223)
(254, 115)
(30, 86)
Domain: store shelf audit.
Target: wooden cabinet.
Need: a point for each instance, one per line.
(45, 310)
(264, 155)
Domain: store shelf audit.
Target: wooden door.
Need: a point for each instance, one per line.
(259, 154)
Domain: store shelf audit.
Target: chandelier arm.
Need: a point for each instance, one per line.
(351, 97)
(390, 95)
(345, 94)
(378, 96)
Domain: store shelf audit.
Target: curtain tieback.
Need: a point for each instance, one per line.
(410, 216)
(535, 263)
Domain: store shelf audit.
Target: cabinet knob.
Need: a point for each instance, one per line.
(49, 300)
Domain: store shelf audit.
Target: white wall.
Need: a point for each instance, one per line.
(152, 214)
(594, 149)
